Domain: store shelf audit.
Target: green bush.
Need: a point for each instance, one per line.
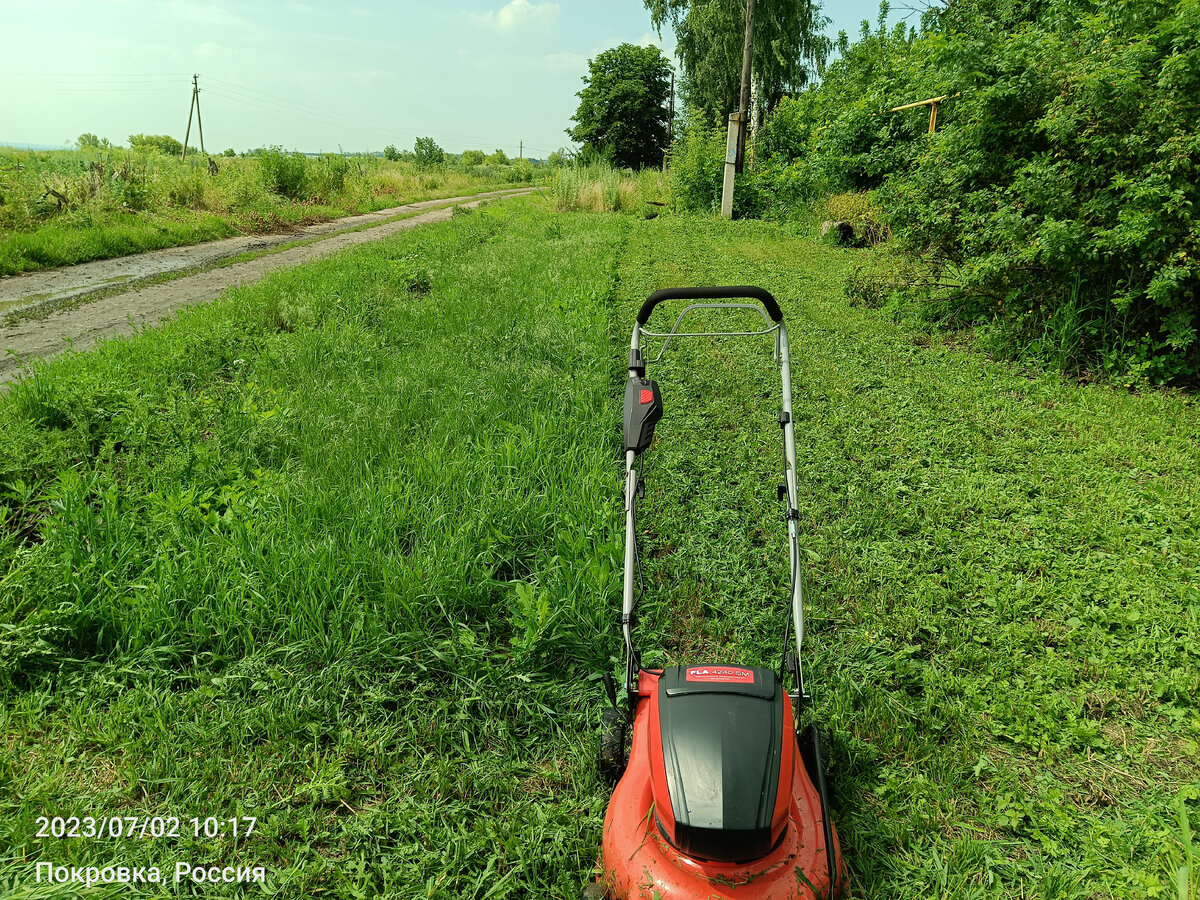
(697, 167)
(427, 153)
(327, 176)
(1063, 193)
(157, 143)
(283, 173)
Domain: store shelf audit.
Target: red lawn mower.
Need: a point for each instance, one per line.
(720, 796)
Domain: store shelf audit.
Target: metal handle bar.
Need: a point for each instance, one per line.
(675, 332)
(731, 292)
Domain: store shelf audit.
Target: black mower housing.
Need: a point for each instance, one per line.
(643, 409)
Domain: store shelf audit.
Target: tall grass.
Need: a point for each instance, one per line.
(599, 187)
(58, 208)
(354, 529)
(339, 551)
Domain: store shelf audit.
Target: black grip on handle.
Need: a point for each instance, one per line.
(733, 292)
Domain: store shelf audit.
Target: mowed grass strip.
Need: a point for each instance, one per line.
(1003, 578)
(334, 551)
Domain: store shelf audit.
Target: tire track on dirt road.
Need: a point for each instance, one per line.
(85, 325)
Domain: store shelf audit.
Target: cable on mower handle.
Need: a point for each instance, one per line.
(732, 292)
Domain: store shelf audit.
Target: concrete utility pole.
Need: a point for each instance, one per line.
(735, 145)
(195, 104)
(521, 152)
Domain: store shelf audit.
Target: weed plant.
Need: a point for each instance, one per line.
(60, 208)
(601, 188)
(342, 551)
(337, 551)
(1002, 579)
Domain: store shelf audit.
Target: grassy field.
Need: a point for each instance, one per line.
(340, 551)
(60, 207)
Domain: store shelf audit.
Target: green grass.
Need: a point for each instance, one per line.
(113, 203)
(292, 557)
(1002, 572)
(340, 551)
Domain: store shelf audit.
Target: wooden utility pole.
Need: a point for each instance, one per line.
(735, 145)
(195, 105)
(744, 97)
(671, 113)
(521, 152)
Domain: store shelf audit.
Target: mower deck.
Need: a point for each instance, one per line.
(650, 867)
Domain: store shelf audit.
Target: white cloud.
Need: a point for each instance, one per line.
(518, 15)
(210, 14)
(213, 50)
(566, 60)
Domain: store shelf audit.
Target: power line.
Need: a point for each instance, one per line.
(164, 82)
(254, 93)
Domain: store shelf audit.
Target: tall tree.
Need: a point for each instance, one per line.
(622, 113)
(788, 48)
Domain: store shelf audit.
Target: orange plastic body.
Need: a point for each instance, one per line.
(638, 863)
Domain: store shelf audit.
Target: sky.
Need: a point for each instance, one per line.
(316, 76)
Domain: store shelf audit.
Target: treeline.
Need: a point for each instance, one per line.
(1056, 204)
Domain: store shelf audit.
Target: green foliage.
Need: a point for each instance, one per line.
(1056, 204)
(426, 153)
(989, 587)
(1064, 194)
(601, 188)
(312, 520)
(622, 115)
(229, 151)
(499, 158)
(283, 173)
(344, 555)
(710, 35)
(96, 194)
(471, 158)
(391, 153)
(697, 168)
(89, 141)
(327, 176)
(157, 143)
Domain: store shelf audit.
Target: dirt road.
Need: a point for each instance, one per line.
(111, 314)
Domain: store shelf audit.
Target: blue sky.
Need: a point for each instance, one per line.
(359, 74)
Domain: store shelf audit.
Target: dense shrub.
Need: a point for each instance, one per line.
(158, 143)
(1057, 201)
(427, 153)
(1064, 193)
(327, 176)
(697, 163)
(283, 173)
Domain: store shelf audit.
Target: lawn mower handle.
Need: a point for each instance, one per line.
(710, 293)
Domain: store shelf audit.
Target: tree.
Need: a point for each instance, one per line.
(471, 158)
(391, 153)
(428, 153)
(622, 113)
(89, 141)
(789, 47)
(161, 143)
(499, 158)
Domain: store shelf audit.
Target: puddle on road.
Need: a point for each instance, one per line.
(8, 306)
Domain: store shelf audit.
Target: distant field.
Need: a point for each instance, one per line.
(341, 551)
(64, 207)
